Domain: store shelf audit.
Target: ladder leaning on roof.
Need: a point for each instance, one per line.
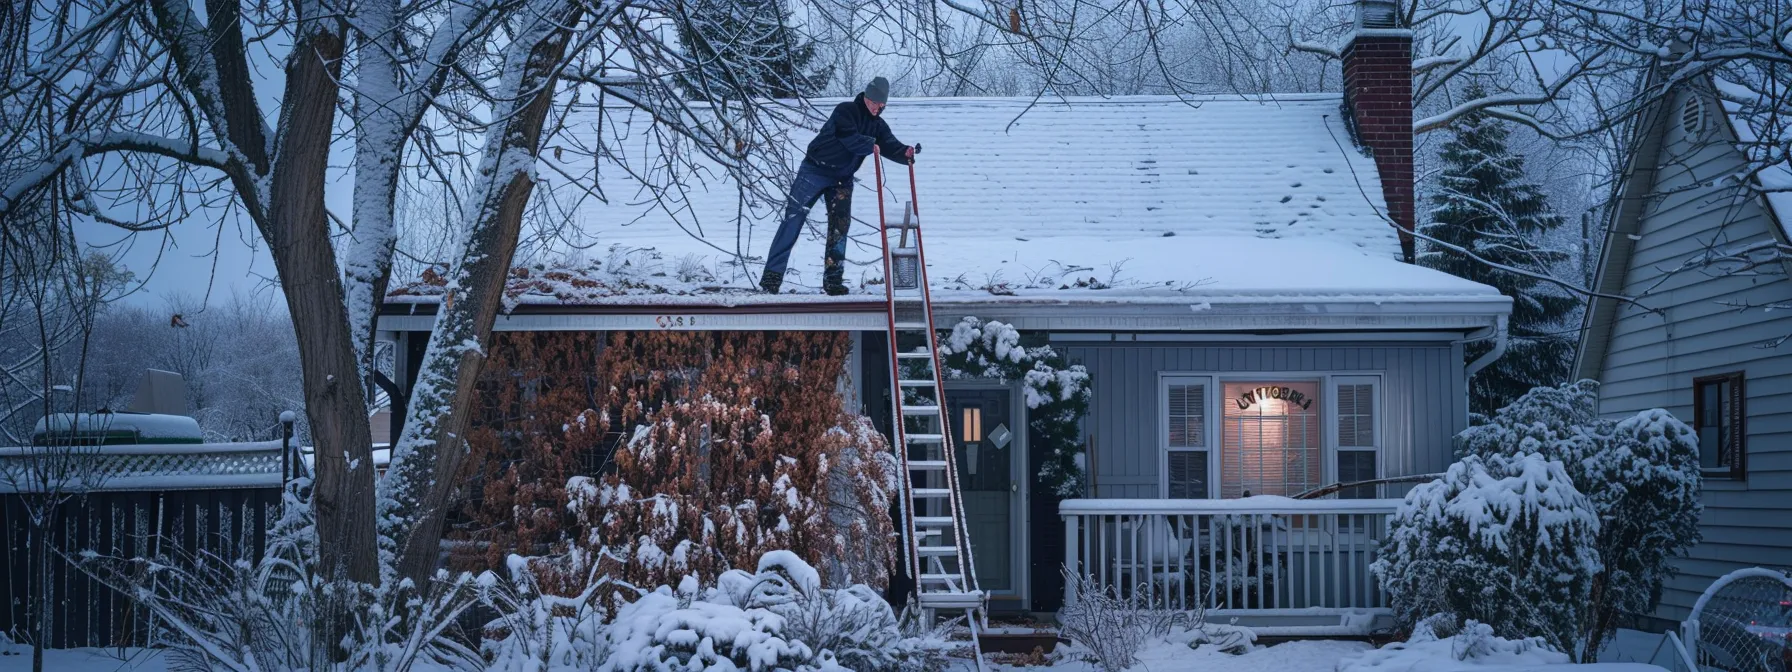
(937, 548)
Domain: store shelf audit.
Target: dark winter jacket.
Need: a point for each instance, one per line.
(850, 135)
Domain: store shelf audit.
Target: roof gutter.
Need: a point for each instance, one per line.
(1499, 347)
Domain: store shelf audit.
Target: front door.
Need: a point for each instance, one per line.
(984, 436)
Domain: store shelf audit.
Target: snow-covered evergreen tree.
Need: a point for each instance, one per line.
(1483, 203)
(740, 49)
(1504, 540)
(1641, 475)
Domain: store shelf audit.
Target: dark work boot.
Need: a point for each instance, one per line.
(771, 281)
(834, 287)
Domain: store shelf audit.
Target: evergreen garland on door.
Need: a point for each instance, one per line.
(1057, 394)
(1484, 204)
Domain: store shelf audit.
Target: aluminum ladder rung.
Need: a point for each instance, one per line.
(927, 465)
(920, 411)
(915, 355)
(937, 551)
(917, 326)
(952, 600)
(916, 383)
(933, 521)
(932, 492)
(925, 438)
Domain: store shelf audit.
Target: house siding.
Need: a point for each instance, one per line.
(1683, 329)
(1423, 403)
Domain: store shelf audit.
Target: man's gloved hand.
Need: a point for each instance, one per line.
(912, 151)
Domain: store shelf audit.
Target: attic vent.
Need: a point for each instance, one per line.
(1692, 116)
(1377, 14)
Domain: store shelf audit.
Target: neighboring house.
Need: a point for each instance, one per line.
(1225, 268)
(1697, 341)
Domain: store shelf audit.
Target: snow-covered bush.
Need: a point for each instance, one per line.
(1641, 474)
(735, 443)
(537, 629)
(279, 614)
(1113, 626)
(777, 618)
(1057, 393)
(1470, 644)
(1507, 541)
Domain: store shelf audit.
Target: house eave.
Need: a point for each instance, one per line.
(1449, 316)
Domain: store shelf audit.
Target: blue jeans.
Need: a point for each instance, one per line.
(812, 182)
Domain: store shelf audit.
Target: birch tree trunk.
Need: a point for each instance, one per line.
(421, 478)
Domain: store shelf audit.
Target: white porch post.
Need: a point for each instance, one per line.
(1072, 566)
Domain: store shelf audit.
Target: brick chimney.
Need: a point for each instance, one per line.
(1378, 103)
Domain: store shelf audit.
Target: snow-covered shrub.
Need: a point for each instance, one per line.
(1507, 541)
(1057, 393)
(532, 428)
(1641, 474)
(777, 618)
(537, 629)
(1468, 644)
(279, 614)
(1112, 625)
(736, 444)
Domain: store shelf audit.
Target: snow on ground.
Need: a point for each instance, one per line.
(15, 658)
(1302, 656)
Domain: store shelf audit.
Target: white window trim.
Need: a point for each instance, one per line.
(1215, 381)
(1331, 423)
(1208, 428)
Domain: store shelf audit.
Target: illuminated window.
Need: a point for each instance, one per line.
(1270, 440)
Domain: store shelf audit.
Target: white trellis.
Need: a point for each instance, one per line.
(1742, 622)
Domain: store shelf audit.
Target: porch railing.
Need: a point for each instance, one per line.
(1259, 553)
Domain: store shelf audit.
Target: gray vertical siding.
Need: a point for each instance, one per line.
(1653, 356)
(1423, 399)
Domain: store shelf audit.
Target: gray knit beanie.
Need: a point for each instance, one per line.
(878, 91)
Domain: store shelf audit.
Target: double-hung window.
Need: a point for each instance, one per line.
(1358, 439)
(1186, 443)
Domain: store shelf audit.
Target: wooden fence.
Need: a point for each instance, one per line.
(154, 501)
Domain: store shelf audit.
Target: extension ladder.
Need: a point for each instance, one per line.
(936, 543)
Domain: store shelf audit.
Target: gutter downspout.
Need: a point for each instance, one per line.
(1499, 348)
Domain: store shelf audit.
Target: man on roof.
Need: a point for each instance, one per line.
(854, 131)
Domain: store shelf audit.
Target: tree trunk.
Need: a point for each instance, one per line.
(422, 476)
(298, 236)
(42, 607)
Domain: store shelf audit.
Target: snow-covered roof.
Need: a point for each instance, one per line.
(1751, 126)
(1125, 199)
